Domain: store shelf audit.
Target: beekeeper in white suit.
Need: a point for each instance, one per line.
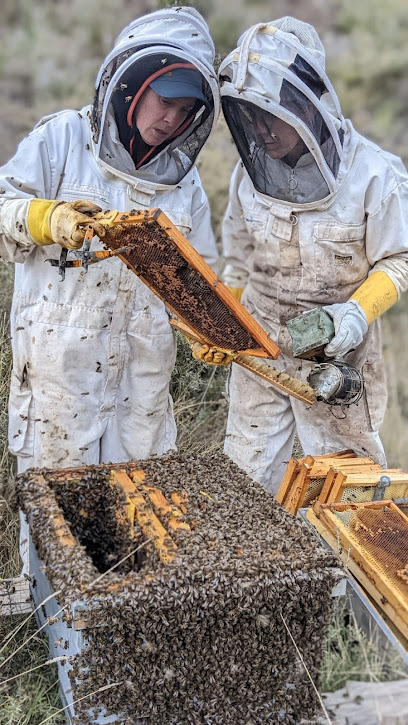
(93, 355)
(317, 216)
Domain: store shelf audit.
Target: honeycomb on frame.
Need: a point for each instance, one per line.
(164, 260)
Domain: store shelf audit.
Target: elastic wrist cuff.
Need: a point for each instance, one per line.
(376, 295)
(38, 220)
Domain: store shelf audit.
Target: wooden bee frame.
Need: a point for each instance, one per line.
(356, 485)
(299, 473)
(372, 541)
(167, 263)
(142, 500)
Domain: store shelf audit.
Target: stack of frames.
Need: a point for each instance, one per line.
(339, 477)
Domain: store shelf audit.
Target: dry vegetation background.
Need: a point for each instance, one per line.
(50, 51)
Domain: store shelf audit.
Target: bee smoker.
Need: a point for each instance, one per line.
(335, 382)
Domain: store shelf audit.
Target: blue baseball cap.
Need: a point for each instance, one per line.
(180, 83)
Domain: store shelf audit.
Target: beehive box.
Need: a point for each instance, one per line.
(304, 478)
(372, 540)
(200, 636)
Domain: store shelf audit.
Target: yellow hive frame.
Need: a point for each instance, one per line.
(363, 566)
(159, 254)
(146, 504)
(299, 471)
(338, 481)
(156, 219)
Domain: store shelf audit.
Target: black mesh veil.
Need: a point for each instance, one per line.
(278, 153)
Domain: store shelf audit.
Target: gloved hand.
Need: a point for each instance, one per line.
(350, 325)
(237, 292)
(211, 355)
(62, 222)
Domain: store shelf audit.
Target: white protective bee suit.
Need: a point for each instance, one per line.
(93, 355)
(301, 235)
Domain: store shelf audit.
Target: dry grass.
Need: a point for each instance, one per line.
(10, 563)
(349, 654)
(9, 558)
(200, 407)
(32, 697)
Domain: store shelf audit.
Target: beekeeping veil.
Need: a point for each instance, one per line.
(282, 111)
(147, 49)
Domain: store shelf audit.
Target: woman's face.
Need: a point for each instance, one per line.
(277, 137)
(157, 117)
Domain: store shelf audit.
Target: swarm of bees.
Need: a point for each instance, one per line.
(200, 639)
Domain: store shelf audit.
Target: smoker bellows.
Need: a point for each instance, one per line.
(191, 628)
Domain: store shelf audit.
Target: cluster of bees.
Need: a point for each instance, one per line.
(150, 251)
(96, 514)
(202, 639)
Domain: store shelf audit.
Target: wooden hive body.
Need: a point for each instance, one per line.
(339, 477)
(354, 486)
(304, 478)
(208, 564)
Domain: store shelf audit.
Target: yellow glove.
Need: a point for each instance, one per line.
(211, 355)
(237, 292)
(352, 318)
(376, 295)
(62, 222)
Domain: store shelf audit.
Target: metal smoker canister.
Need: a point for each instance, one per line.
(336, 383)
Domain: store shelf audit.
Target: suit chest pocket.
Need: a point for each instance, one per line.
(340, 256)
(266, 254)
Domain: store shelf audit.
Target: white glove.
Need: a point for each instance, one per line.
(350, 326)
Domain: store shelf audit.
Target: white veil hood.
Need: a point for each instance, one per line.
(172, 34)
(278, 69)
